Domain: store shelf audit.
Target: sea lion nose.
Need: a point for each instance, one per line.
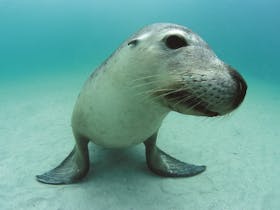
(241, 87)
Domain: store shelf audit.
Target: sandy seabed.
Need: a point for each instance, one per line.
(241, 152)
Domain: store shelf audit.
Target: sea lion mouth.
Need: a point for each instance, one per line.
(191, 102)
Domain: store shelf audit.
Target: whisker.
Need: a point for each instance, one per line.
(187, 74)
(185, 99)
(188, 98)
(145, 77)
(152, 91)
(191, 108)
(149, 93)
(144, 84)
(170, 92)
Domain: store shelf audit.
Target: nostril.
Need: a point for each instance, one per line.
(241, 87)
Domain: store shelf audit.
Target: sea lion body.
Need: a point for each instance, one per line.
(161, 68)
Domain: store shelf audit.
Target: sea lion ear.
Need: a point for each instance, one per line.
(133, 43)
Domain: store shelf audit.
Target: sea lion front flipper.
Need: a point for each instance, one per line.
(164, 165)
(72, 169)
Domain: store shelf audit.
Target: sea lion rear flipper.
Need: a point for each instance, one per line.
(72, 169)
(164, 165)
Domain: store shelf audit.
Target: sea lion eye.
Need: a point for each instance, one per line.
(133, 42)
(175, 42)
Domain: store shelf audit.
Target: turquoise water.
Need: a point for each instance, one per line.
(49, 47)
(45, 37)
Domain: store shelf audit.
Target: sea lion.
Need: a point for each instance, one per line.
(163, 67)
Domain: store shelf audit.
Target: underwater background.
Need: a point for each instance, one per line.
(48, 48)
(56, 36)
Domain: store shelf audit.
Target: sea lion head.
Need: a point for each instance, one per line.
(177, 68)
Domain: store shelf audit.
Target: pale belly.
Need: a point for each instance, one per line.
(116, 120)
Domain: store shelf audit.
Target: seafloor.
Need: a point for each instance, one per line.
(241, 152)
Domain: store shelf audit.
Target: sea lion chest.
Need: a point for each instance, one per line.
(112, 114)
